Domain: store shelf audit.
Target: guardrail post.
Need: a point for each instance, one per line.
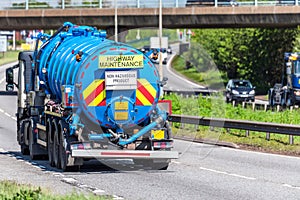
(243, 104)
(278, 108)
(255, 2)
(268, 136)
(266, 107)
(228, 130)
(253, 106)
(247, 133)
(100, 3)
(233, 103)
(182, 125)
(216, 3)
(291, 139)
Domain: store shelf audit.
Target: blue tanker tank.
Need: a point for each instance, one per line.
(111, 83)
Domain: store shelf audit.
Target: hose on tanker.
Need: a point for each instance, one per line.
(161, 117)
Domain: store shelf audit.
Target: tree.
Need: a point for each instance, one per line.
(254, 54)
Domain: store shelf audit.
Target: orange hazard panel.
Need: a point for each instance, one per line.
(94, 94)
(145, 93)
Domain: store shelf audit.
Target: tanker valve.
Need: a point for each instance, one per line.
(78, 56)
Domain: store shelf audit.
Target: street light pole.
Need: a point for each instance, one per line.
(160, 48)
(160, 41)
(116, 21)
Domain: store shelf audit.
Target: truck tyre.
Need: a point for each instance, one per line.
(33, 154)
(56, 159)
(50, 129)
(63, 156)
(24, 147)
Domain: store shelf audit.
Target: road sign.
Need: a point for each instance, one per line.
(3, 43)
(154, 42)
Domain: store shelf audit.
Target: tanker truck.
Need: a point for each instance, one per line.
(82, 96)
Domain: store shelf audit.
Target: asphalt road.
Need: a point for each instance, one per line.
(201, 172)
(175, 81)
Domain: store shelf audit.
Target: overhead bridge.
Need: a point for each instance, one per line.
(129, 18)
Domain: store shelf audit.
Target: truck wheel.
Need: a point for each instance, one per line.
(33, 153)
(162, 166)
(24, 149)
(50, 143)
(62, 149)
(21, 137)
(56, 147)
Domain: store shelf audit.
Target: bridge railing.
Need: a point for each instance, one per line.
(50, 4)
(65, 4)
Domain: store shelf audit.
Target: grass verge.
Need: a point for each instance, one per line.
(12, 190)
(217, 108)
(8, 57)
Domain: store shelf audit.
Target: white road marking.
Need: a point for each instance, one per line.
(58, 174)
(97, 191)
(117, 198)
(2, 151)
(291, 186)
(7, 114)
(261, 153)
(70, 180)
(226, 173)
(2, 80)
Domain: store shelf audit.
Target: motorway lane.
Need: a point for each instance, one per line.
(201, 172)
(175, 81)
(7, 117)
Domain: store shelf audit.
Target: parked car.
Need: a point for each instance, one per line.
(239, 90)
